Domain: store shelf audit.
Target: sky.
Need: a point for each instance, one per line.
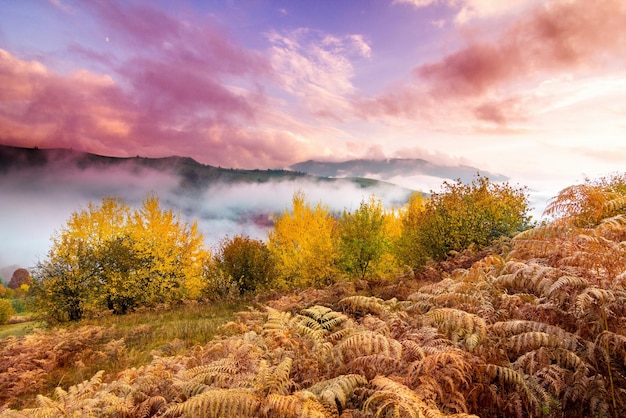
(534, 90)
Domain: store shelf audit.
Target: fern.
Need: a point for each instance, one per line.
(301, 404)
(334, 393)
(538, 399)
(459, 325)
(393, 399)
(279, 381)
(218, 403)
(367, 343)
(364, 305)
(508, 328)
(149, 407)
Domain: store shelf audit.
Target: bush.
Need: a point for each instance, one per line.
(465, 215)
(6, 311)
(246, 262)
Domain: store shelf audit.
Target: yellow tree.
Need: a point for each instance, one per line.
(406, 247)
(108, 257)
(245, 262)
(304, 244)
(466, 214)
(169, 253)
(69, 282)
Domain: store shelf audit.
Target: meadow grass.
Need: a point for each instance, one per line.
(114, 343)
(19, 329)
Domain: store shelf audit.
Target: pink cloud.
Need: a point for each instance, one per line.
(181, 87)
(492, 80)
(167, 110)
(143, 26)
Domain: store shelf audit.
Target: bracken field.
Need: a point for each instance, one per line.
(531, 326)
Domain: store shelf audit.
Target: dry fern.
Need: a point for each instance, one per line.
(334, 393)
(301, 404)
(459, 326)
(218, 403)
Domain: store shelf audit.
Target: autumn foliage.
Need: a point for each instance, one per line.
(246, 263)
(111, 257)
(304, 244)
(532, 328)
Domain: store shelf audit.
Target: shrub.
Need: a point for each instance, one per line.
(476, 214)
(6, 311)
(246, 261)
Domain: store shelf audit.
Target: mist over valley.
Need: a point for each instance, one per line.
(40, 189)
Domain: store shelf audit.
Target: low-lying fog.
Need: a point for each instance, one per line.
(37, 202)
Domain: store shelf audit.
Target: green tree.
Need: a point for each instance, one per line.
(246, 261)
(109, 257)
(304, 244)
(362, 237)
(469, 214)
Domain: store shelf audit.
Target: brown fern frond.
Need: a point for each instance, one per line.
(533, 361)
(365, 343)
(374, 323)
(442, 365)
(443, 286)
(192, 388)
(565, 286)
(537, 398)
(325, 317)
(371, 365)
(279, 381)
(149, 407)
(592, 297)
(363, 305)
(553, 378)
(412, 351)
(533, 340)
(334, 393)
(218, 403)
(509, 328)
(302, 404)
(393, 399)
(219, 373)
(277, 321)
(531, 278)
(459, 325)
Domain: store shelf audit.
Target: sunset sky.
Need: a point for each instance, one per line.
(535, 90)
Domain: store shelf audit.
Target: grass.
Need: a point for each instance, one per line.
(114, 343)
(19, 329)
(168, 330)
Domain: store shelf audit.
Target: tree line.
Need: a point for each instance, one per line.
(112, 257)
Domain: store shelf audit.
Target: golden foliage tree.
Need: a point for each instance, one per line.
(304, 244)
(109, 257)
(406, 246)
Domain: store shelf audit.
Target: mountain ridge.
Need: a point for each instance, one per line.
(193, 174)
(387, 169)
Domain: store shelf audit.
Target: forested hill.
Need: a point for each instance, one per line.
(192, 174)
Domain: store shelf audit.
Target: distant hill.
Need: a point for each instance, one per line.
(6, 272)
(192, 174)
(389, 168)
